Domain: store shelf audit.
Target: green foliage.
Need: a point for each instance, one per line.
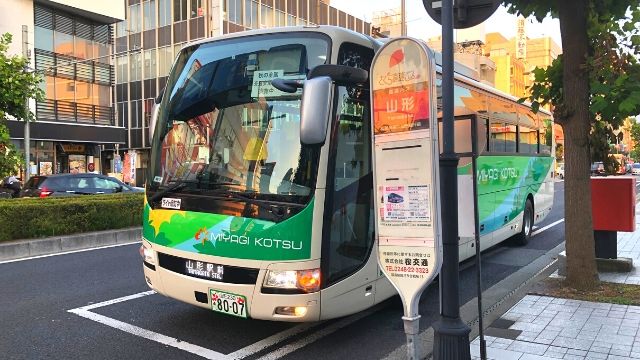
(635, 136)
(559, 152)
(10, 158)
(25, 218)
(612, 66)
(17, 84)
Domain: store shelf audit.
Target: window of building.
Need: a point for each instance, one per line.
(150, 64)
(281, 18)
(177, 48)
(134, 18)
(302, 9)
(196, 8)
(165, 59)
(83, 92)
(266, 16)
(135, 66)
(179, 10)
(121, 29)
(251, 14)
(43, 38)
(136, 114)
(122, 110)
(149, 10)
(63, 43)
(235, 11)
(122, 64)
(101, 95)
(164, 12)
(291, 20)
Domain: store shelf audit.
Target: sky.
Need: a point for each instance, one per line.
(420, 25)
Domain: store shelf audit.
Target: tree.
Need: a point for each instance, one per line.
(17, 84)
(635, 136)
(598, 74)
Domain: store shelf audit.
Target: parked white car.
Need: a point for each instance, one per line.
(635, 169)
(560, 171)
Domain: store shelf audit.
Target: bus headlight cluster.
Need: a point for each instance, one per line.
(305, 280)
(147, 254)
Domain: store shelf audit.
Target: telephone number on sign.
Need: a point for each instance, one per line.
(407, 269)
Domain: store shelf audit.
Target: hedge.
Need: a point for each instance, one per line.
(25, 218)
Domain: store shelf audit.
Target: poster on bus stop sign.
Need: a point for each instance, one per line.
(405, 154)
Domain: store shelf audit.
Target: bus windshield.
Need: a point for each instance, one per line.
(223, 129)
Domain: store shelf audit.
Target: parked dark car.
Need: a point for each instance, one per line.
(74, 184)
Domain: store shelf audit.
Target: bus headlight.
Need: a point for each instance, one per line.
(305, 280)
(147, 254)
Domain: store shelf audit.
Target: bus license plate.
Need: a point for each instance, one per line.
(228, 303)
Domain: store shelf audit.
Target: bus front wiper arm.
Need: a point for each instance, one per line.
(177, 185)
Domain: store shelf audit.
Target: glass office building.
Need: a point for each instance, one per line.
(76, 128)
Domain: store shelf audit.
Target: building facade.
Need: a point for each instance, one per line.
(69, 42)
(155, 30)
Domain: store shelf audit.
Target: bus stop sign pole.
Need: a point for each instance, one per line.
(405, 168)
(451, 335)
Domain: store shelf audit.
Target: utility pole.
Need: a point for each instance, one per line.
(27, 138)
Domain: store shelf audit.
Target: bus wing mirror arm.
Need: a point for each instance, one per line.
(317, 100)
(154, 113)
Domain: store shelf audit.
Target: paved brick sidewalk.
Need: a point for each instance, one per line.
(542, 327)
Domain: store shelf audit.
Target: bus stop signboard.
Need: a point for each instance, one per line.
(405, 153)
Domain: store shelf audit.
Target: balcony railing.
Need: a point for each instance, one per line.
(67, 111)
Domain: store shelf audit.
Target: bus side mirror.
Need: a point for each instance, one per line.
(154, 114)
(317, 97)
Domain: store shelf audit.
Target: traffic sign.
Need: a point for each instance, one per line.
(406, 162)
(466, 13)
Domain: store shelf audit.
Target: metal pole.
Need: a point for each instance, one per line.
(403, 18)
(411, 330)
(27, 138)
(451, 335)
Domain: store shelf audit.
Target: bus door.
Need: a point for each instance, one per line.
(349, 271)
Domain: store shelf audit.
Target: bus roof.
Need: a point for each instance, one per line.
(462, 72)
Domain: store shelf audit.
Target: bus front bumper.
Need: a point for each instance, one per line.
(196, 291)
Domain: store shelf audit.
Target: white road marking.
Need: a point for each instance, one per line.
(289, 348)
(271, 340)
(69, 252)
(115, 301)
(147, 334)
(85, 312)
(547, 227)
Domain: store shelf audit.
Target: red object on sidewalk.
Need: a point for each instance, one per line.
(613, 203)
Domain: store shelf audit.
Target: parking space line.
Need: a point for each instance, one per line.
(115, 301)
(150, 335)
(271, 340)
(547, 227)
(249, 350)
(313, 337)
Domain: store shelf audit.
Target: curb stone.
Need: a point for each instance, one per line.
(12, 250)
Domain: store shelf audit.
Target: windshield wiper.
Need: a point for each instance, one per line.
(177, 185)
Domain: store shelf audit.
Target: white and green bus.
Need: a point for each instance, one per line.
(259, 199)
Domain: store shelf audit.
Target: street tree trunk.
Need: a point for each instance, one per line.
(574, 117)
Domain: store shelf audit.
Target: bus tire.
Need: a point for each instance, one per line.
(527, 225)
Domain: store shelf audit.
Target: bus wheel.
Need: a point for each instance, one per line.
(527, 224)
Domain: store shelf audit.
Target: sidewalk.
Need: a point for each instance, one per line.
(542, 327)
